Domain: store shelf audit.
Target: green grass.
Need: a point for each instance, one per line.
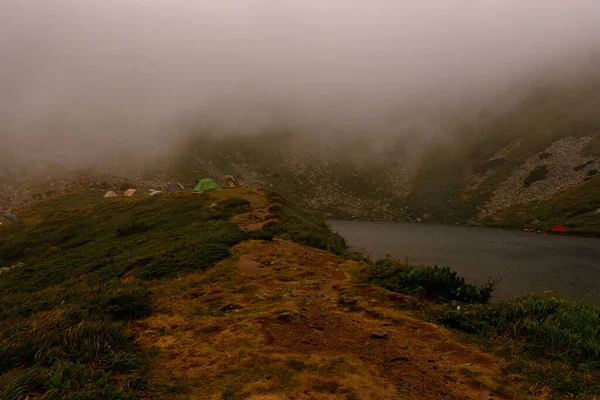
(546, 339)
(65, 311)
(64, 308)
(301, 227)
(565, 330)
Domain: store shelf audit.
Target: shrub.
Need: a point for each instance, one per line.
(537, 174)
(10, 251)
(261, 234)
(431, 282)
(544, 155)
(233, 202)
(203, 257)
(129, 303)
(582, 166)
(302, 228)
(131, 228)
(566, 330)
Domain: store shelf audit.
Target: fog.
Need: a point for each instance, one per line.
(80, 78)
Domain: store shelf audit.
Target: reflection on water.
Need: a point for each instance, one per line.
(526, 262)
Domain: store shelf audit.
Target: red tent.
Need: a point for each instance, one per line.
(559, 228)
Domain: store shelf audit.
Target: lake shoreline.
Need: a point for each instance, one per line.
(503, 228)
(526, 262)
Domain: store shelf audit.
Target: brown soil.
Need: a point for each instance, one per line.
(282, 321)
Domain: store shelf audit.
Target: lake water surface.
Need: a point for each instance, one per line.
(526, 262)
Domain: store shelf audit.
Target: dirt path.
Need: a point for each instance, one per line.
(282, 321)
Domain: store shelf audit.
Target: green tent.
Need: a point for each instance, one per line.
(205, 185)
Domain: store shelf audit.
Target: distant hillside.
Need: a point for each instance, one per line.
(533, 166)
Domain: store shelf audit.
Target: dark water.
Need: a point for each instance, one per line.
(526, 262)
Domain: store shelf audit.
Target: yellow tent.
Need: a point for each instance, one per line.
(230, 182)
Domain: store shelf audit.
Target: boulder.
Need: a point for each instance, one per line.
(379, 335)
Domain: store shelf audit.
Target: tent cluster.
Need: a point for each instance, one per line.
(200, 186)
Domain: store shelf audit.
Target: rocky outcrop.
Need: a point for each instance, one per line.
(560, 166)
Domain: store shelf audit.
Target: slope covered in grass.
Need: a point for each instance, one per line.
(239, 294)
(78, 269)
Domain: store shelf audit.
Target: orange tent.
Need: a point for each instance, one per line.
(129, 192)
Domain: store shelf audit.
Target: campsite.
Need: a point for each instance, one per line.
(199, 186)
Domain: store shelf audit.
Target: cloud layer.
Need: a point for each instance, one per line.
(88, 77)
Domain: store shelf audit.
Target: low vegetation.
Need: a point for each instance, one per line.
(564, 330)
(429, 282)
(65, 306)
(85, 269)
(303, 228)
(546, 340)
(537, 174)
(550, 340)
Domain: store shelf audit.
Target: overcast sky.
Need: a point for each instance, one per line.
(98, 74)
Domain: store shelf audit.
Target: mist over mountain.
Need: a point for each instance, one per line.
(82, 80)
(446, 111)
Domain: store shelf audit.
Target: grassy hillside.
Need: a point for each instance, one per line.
(77, 272)
(238, 294)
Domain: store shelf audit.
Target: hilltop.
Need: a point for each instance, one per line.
(239, 294)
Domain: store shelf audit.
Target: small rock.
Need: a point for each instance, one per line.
(290, 316)
(379, 335)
